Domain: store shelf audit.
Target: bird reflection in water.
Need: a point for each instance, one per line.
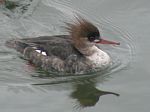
(84, 89)
(88, 95)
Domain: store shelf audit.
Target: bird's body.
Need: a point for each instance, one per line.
(74, 53)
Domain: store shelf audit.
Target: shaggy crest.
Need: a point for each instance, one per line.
(80, 27)
(79, 30)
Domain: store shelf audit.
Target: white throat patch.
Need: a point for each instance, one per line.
(99, 58)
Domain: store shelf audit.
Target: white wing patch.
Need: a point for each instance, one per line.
(44, 53)
(41, 52)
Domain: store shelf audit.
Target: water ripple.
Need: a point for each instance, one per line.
(122, 55)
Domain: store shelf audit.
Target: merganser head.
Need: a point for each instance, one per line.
(84, 34)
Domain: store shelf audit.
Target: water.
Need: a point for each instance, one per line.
(124, 87)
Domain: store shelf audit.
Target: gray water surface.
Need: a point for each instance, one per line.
(124, 87)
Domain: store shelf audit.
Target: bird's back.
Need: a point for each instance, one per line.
(60, 54)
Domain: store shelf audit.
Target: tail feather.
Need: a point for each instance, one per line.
(16, 44)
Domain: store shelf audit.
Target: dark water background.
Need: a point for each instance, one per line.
(25, 89)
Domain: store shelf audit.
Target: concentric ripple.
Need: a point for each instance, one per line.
(121, 55)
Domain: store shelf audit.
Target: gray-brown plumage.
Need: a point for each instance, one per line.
(61, 53)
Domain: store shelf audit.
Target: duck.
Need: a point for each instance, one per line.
(74, 53)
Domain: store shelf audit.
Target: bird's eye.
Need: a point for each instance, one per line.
(91, 39)
(92, 36)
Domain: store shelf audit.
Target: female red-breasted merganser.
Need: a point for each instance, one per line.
(74, 53)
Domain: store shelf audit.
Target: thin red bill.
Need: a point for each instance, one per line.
(102, 41)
